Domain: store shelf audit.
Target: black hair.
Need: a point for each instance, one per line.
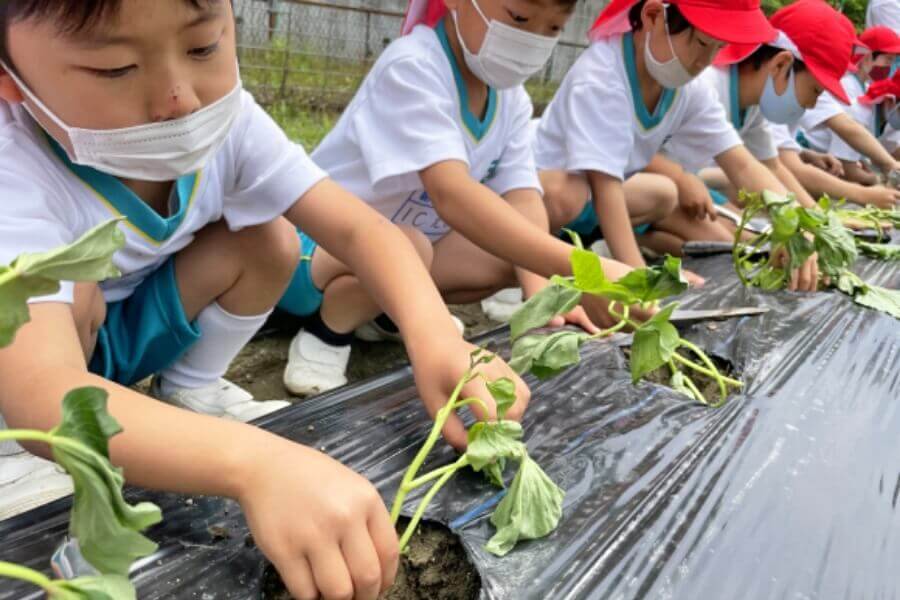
(765, 53)
(676, 21)
(72, 16)
(876, 54)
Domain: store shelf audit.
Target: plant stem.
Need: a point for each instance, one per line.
(414, 522)
(439, 421)
(420, 481)
(714, 371)
(713, 374)
(698, 395)
(472, 400)
(11, 571)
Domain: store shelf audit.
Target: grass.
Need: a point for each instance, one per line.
(305, 126)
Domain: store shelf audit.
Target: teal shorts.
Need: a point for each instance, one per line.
(585, 223)
(302, 297)
(146, 332)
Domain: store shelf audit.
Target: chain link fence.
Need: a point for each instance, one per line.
(313, 55)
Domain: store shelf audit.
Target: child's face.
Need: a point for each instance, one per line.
(695, 49)
(542, 17)
(806, 88)
(150, 62)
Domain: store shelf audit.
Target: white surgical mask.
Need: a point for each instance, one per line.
(508, 56)
(784, 109)
(670, 74)
(161, 151)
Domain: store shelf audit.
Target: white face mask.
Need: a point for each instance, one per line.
(670, 74)
(508, 56)
(161, 151)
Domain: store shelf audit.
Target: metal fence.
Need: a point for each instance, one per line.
(314, 54)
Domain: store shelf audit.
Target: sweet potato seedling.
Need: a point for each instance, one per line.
(656, 342)
(767, 260)
(532, 506)
(105, 526)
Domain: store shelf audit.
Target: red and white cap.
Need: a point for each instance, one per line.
(423, 12)
(730, 21)
(815, 33)
(881, 39)
(879, 91)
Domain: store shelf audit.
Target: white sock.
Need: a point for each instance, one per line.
(223, 335)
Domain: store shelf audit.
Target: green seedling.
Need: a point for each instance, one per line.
(532, 506)
(872, 216)
(796, 233)
(656, 342)
(106, 526)
(31, 275)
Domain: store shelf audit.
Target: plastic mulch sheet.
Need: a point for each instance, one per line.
(789, 491)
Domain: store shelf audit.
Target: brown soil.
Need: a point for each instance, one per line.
(434, 568)
(707, 385)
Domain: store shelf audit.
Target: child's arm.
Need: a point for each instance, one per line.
(390, 269)
(482, 216)
(693, 195)
(819, 182)
(789, 181)
(854, 172)
(166, 448)
(858, 137)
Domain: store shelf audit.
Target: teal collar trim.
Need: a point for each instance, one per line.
(120, 199)
(734, 93)
(647, 120)
(478, 128)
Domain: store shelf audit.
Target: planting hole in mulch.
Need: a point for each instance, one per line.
(435, 567)
(707, 385)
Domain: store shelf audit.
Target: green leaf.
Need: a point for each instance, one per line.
(551, 301)
(678, 384)
(494, 472)
(880, 251)
(785, 222)
(490, 441)
(530, 510)
(880, 299)
(104, 587)
(654, 344)
(588, 271)
(547, 355)
(651, 284)
(504, 393)
(34, 275)
(799, 249)
(835, 245)
(106, 526)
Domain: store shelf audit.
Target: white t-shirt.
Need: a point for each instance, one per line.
(750, 123)
(784, 137)
(598, 121)
(812, 124)
(884, 12)
(412, 112)
(45, 202)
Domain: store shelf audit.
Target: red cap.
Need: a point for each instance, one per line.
(815, 33)
(879, 91)
(881, 39)
(731, 21)
(427, 12)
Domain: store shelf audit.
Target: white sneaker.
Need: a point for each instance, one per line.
(373, 332)
(501, 306)
(27, 481)
(314, 366)
(601, 248)
(219, 399)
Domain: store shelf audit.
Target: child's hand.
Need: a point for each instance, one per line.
(804, 279)
(695, 199)
(882, 197)
(577, 317)
(694, 280)
(325, 528)
(438, 367)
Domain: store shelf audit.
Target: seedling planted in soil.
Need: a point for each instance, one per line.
(656, 342)
(532, 505)
(796, 233)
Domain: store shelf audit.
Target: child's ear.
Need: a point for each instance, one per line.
(9, 91)
(652, 11)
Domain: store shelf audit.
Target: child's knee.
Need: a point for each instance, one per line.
(665, 198)
(89, 314)
(273, 248)
(421, 243)
(564, 200)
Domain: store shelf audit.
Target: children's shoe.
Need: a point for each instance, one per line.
(27, 481)
(315, 367)
(601, 249)
(219, 399)
(378, 331)
(501, 306)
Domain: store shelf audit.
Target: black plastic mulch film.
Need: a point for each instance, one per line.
(789, 491)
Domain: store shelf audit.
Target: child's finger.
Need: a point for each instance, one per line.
(384, 537)
(363, 563)
(331, 572)
(556, 321)
(298, 579)
(455, 433)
